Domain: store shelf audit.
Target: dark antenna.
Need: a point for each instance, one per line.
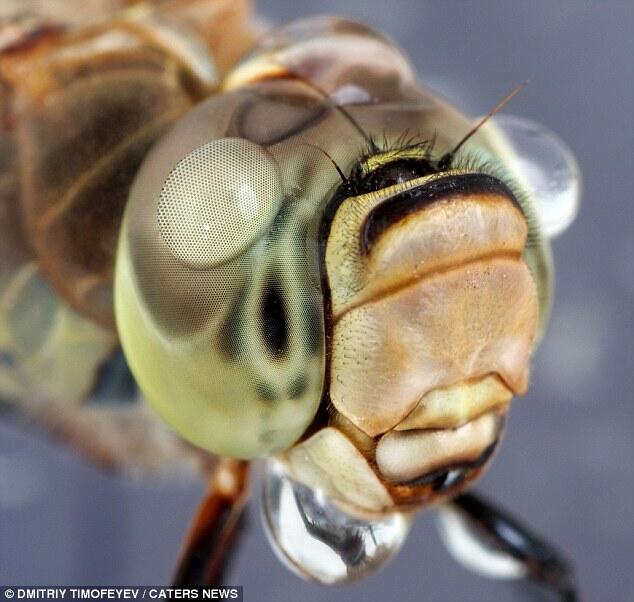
(321, 150)
(445, 160)
(372, 145)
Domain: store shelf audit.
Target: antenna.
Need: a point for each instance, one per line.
(321, 150)
(445, 160)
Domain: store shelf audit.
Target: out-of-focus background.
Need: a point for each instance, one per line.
(567, 463)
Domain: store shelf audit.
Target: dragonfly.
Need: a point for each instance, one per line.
(223, 245)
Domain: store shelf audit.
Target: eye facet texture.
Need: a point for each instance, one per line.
(217, 201)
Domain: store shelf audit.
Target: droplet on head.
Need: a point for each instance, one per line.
(547, 167)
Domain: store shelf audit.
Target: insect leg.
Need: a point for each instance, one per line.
(208, 547)
(487, 540)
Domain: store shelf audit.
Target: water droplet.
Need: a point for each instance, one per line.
(317, 540)
(547, 167)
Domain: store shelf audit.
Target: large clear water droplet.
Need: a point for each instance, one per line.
(317, 540)
(549, 169)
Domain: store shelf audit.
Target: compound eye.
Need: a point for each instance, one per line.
(217, 201)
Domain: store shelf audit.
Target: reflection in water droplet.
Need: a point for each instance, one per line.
(548, 168)
(319, 541)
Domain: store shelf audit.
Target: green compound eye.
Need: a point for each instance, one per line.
(217, 201)
(217, 301)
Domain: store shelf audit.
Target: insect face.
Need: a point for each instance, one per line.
(386, 320)
(434, 316)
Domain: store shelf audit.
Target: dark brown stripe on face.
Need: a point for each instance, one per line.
(446, 477)
(401, 205)
(441, 484)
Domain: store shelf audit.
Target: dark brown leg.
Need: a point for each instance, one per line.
(486, 539)
(213, 533)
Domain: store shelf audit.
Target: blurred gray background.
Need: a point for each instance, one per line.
(567, 463)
